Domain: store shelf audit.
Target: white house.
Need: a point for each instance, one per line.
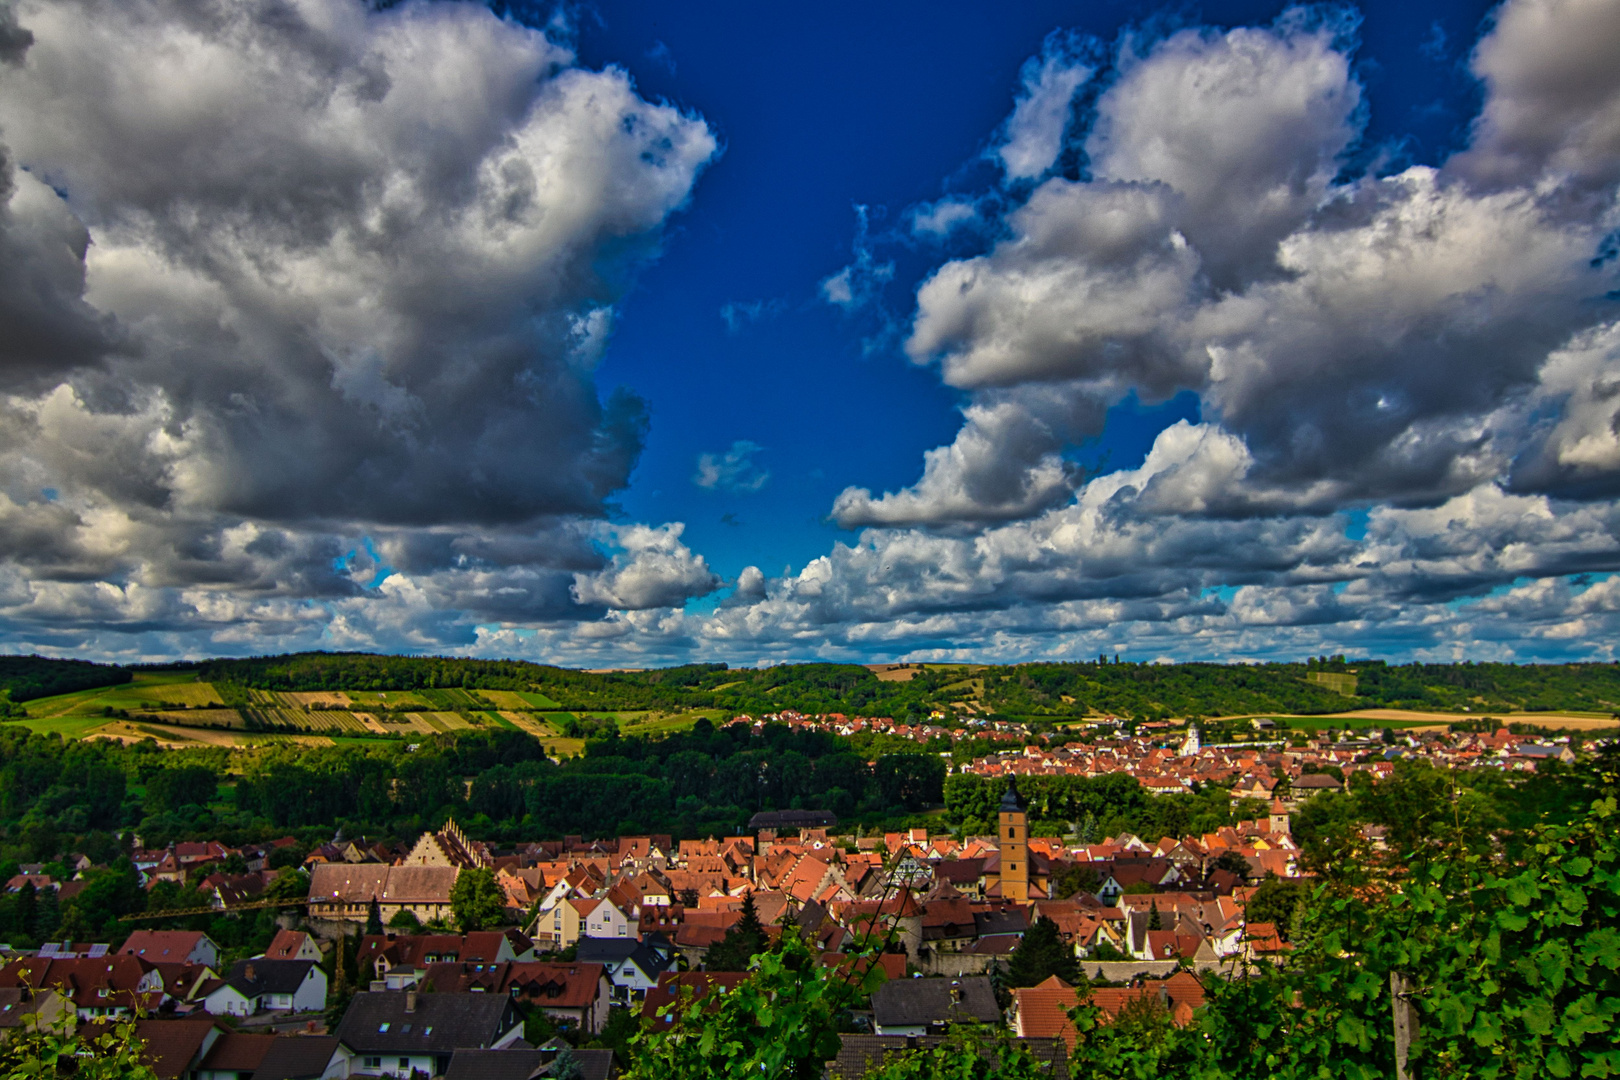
(397, 1033)
(268, 985)
(632, 967)
(603, 919)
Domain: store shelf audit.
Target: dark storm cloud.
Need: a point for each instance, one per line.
(281, 277)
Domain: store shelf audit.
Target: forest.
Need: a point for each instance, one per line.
(26, 678)
(1028, 691)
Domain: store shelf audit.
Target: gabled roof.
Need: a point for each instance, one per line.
(100, 981)
(378, 1022)
(556, 985)
(285, 945)
(610, 951)
(912, 1002)
(250, 978)
(297, 1057)
(496, 1064)
(238, 1052)
(165, 946)
(172, 1047)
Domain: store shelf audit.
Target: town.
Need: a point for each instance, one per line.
(450, 957)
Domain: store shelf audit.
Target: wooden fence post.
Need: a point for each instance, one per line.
(1400, 997)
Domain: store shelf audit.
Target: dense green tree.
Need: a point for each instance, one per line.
(1278, 901)
(476, 900)
(184, 785)
(743, 941)
(1077, 878)
(780, 1024)
(405, 919)
(1042, 953)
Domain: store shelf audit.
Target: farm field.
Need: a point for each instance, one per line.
(1408, 718)
(178, 711)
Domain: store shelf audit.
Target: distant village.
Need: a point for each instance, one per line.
(1165, 762)
(628, 923)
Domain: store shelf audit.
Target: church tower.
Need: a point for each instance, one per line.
(1013, 843)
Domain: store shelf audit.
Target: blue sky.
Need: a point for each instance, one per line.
(635, 334)
(884, 106)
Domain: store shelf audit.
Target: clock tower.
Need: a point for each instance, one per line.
(1013, 842)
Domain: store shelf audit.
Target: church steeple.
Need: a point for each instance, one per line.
(1012, 838)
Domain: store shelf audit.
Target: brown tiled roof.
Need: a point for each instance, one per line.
(555, 986)
(297, 1057)
(235, 1051)
(285, 945)
(172, 1046)
(360, 883)
(169, 946)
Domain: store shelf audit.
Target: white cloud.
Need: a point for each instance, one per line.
(734, 470)
(319, 273)
(652, 570)
(940, 219)
(1553, 100)
(1034, 132)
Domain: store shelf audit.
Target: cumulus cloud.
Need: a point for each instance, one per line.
(652, 570)
(277, 277)
(1034, 132)
(1363, 338)
(1553, 102)
(1410, 384)
(306, 346)
(734, 470)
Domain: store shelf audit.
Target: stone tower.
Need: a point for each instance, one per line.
(1013, 842)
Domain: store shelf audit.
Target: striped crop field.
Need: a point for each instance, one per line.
(530, 723)
(189, 695)
(455, 698)
(317, 699)
(209, 718)
(509, 700)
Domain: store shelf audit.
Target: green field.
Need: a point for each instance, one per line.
(180, 704)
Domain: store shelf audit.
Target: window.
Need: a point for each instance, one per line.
(374, 1063)
(405, 1064)
(623, 929)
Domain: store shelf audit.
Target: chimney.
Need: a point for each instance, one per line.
(410, 1001)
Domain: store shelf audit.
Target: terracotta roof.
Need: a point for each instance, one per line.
(360, 883)
(171, 946)
(556, 985)
(285, 945)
